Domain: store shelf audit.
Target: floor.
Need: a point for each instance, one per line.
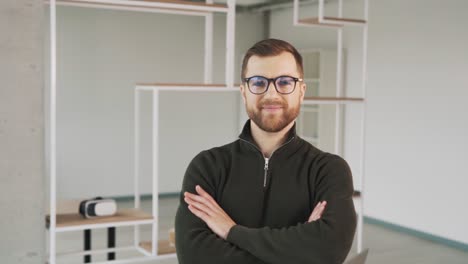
(386, 246)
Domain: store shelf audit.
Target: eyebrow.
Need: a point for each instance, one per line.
(269, 77)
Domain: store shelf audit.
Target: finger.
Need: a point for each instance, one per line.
(318, 211)
(201, 199)
(203, 216)
(195, 197)
(202, 192)
(321, 209)
(324, 203)
(313, 218)
(314, 213)
(189, 199)
(212, 209)
(199, 206)
(205, 194)
(317, 207)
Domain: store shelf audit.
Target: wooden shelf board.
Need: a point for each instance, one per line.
(179, 2)
(352, 20)
(164, 247)
(66, 206)
(75, 219)
(315, 21)
(320, 98)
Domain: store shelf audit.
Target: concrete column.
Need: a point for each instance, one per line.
(22, 162)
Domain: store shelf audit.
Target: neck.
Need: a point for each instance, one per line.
(269, 141)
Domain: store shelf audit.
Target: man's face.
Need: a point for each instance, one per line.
(272, 111)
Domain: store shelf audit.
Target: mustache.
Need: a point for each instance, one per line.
(272, 103)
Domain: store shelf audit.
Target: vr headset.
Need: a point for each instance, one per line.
(98, 207)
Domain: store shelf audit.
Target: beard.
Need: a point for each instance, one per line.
(272, 122)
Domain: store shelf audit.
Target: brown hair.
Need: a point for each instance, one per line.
(271, 47)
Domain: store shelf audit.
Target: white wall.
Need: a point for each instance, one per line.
(416, 144)
(417, 131)
(101, 55)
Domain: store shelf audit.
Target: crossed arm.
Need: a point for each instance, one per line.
(205, 207)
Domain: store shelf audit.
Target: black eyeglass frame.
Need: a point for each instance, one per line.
(270, 80)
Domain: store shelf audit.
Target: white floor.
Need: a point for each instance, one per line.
(386, 246)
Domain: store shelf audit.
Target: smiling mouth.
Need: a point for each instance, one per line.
(272, 107)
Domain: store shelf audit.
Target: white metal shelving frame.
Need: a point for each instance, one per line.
(338, 23)
(154, 6)
(156, 89)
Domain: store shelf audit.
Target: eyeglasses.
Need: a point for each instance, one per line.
(260, 84)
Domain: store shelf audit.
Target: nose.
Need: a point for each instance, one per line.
(271, 91)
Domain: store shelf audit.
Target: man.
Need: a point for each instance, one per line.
(251, 201)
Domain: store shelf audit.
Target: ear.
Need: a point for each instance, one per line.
(302, 90)
(243, 91)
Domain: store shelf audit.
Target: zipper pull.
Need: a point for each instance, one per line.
(266, 172)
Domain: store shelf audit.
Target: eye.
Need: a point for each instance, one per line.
(258, 81)
(285, 81)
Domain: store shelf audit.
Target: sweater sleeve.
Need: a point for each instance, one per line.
(195, 242)
(327, 240)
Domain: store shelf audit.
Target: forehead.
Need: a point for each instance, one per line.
(272, 66)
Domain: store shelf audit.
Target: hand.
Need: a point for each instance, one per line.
(317, 212)
(206, 208)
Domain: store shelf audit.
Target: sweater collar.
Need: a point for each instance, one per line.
(246, 134)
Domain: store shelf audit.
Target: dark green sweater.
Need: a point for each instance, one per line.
(271, 203)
